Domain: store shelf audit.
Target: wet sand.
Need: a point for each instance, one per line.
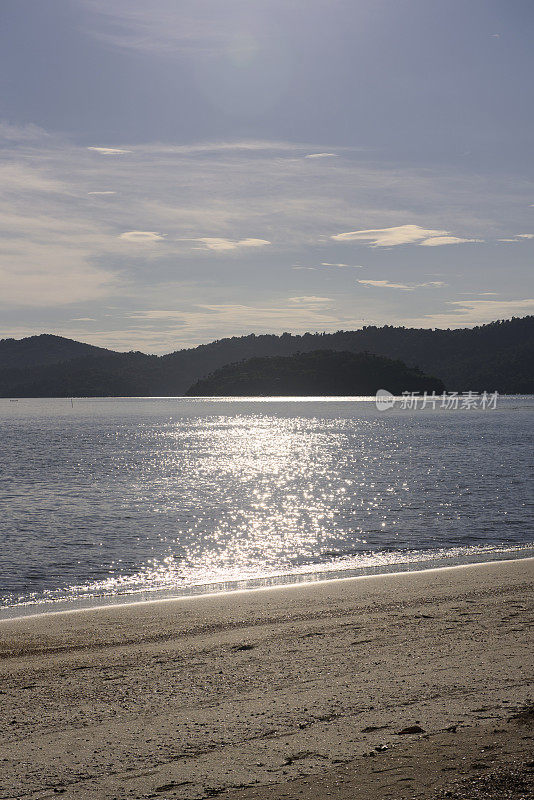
(289, 692)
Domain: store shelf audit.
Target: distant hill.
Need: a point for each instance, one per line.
(44, 349)
(321, 372)
(110, 375)
(498, 356)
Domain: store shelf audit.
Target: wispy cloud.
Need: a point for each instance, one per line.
(321, 155)
(437, 241)
(329, 264)
(223, 245)
(312, 300)
(401, 234)
(102, 193)
(210, 320)
(186, 209)
(518, 237)
(47, 243)
(142, 236)
(268, 147)
(466, 313)
(22, 133)
(109, 151)
(169, 28)
(352, 266)
(385, 284)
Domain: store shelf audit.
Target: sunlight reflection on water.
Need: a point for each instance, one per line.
(120, 496)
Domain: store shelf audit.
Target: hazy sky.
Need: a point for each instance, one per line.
(176, 171)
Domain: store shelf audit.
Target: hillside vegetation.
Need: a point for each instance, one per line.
(321, 373)
(498, 356)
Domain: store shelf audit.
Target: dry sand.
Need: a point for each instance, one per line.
(278, 693)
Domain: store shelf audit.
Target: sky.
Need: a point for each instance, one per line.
(179, 171)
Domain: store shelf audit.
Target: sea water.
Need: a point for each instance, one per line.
(113, 500)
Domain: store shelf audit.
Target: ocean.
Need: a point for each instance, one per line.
(124, 499)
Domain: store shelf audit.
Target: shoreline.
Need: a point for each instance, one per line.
(12, 612)
(259, 693)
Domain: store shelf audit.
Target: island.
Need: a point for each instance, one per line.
(319, 373)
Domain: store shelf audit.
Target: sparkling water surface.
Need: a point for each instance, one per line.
(106, 500)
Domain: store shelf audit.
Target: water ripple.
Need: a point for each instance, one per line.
(121, 496)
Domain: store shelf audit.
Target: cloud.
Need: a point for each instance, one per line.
(465, 313)
(248, 186)
(295, 313)
(436, 241)
(384, 284)
(223, 245)
(352, 266)
(401, 234)
(328, 264)
(388, 237)
(170, 28)
(321, 155)
(518, 237)
(206, 321)
(259, 146)
(109, 151)
(310, 300)
(167, 28)
(102, 192)
(142, 236)
(59, 248)
(38, 289)
(48, 245)
(22, 133)
(156, 313)
(47, 262)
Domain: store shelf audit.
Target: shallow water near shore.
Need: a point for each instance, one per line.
(109, 500)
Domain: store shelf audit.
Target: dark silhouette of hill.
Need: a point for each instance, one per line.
(321, 372)
(111, 375)
(498, 356)
(44, 349)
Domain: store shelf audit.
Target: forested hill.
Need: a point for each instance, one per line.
(498, 356)
(320, 373)
(44, 349)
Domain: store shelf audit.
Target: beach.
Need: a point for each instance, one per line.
(386, 686)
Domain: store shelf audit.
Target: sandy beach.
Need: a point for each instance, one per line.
(398, 686)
